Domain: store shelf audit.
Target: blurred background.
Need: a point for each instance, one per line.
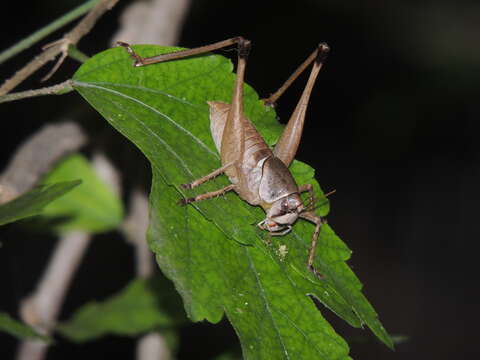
(392, 126)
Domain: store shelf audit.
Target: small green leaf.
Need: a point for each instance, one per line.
(33, 202)
(144, 305)
(92, 207)
(261, 284)
(20, 330)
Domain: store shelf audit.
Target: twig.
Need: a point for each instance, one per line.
(58, 89)
(59, 47)
(47, 30)
(76, 54)
(37, 155)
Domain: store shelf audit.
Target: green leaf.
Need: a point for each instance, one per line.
(33, 202)
(92, 207)
(144, 305)
(19, 330)
(261, 283)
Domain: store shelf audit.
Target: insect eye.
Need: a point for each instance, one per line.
(292, 205)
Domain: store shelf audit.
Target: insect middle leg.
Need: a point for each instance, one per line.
(318, 221)
(206, 196)
(207, 177)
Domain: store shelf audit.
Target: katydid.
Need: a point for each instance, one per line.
(258, 174)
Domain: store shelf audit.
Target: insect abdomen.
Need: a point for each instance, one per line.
(255, 148)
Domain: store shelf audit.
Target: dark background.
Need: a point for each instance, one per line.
(392, 127)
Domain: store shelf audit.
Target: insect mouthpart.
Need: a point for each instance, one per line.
(282, 214)
(286, 209)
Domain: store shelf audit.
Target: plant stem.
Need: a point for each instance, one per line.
(47, 30)
(59, 89)
(76, 54)
(59, 47)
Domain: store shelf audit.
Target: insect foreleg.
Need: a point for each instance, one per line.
(207, 177)
(282, 232)
(318, 221)
(206, 196)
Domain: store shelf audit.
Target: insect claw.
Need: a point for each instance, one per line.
(270, 103)
(315, 272)
(183, 202)
(186, 186)
(138, 60)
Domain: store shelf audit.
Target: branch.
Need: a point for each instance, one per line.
(47, 30)
(59, 47)
(58, 89)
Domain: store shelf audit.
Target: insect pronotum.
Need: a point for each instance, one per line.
(258, 174)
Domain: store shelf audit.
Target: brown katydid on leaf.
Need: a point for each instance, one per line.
(257, 174)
